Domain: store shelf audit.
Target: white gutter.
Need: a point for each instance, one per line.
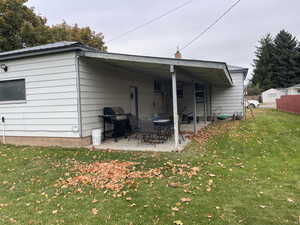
(79, 109)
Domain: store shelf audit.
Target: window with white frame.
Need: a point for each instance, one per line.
(12, 90)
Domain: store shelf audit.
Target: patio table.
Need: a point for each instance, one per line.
(163, 127)
(161, 121)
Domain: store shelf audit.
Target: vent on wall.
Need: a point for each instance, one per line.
(4, 67)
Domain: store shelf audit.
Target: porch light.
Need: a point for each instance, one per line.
(4, 67)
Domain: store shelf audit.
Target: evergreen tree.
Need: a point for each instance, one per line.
(263, 64)
(297, 68)
(285, 60)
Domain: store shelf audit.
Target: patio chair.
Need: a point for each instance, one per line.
(146, 132)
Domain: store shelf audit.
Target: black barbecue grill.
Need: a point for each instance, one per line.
(118, 120)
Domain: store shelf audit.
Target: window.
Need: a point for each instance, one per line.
(200, 93)
(157, 86)
(298, 91)
(12, 90)
(179, 90)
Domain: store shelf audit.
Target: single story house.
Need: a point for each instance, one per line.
(53, 94)
(269, 96)
(294, 90)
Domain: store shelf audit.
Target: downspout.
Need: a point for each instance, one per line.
(244, 98)
(3, 130)
(77, 63)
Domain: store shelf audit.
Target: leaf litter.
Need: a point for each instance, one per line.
(115, 175)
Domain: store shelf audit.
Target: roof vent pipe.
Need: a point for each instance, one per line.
(178, 54)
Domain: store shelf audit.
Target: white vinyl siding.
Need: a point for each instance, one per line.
(50, 108)
(229, 100)
(102, 87)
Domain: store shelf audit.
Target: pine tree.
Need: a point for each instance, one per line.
(263, 64)
(285, 60)
(297, 68)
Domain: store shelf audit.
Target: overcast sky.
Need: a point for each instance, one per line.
(233, 40)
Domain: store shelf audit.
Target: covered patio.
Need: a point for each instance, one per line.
(178, 88)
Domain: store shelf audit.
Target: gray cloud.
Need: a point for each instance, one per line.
(233, 40)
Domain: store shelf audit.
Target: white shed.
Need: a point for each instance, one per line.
(270, 96)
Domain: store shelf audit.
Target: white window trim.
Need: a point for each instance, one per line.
(13, 102)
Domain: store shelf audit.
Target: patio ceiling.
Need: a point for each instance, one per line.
(214, 73)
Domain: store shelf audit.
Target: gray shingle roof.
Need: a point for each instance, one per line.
(296, 86)
(57, 45)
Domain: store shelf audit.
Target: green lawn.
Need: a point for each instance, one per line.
(248, 175)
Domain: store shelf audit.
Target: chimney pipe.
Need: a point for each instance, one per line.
(178, 54)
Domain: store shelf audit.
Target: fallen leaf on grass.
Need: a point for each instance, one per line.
(95, 201)
(178, 203)
(174, 185)
(175, 209)
(94, 211)
(128, 198)
(212, 175)
(186, 199)
(222, 216)
(178, 222)
(263, 206)
(290, 200)
(132, 205)
(12, 220)
(54, 211)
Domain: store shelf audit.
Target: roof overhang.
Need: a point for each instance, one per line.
(215, 73)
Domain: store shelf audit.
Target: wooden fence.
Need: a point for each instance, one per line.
(289, 103)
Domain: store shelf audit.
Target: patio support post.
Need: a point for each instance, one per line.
(195, 107)
(205, 104)
(175, 107)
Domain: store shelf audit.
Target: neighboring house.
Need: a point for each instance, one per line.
(294, 90)
(53, 94)
(270, 96)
